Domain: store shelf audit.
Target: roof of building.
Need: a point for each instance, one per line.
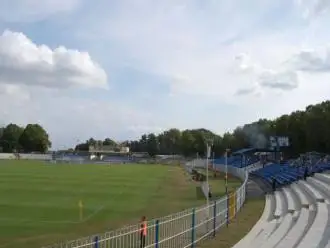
(251, 150)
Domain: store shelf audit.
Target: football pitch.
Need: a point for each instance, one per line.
(39, 202)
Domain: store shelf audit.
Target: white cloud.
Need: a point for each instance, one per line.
(245, 91)
(8, 90)
(287, 80)
(280, 77)
(312, 60)
(226, 63)
(34, 10)
(313, 8)
(284, 76)
(24, 63)
(70, 119)
(245, 64)
(187, 42)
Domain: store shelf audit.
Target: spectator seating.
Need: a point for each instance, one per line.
(296, 215)
(236, 161)
(285, 174)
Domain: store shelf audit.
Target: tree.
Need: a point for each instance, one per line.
(152, 145)
(91, 142)
(187, 143)
(10, 138)
(307, 130)
(1, 131)
(34, 138)
(82, 147)
(109, 142)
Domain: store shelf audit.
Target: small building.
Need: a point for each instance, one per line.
(124, 149)
(101, 149)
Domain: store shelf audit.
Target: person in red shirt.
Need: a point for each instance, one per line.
(143, 232)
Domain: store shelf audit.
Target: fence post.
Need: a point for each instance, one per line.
(214, 217)
(96, 242)
(228, 212)
(193, 228)
(157, 234)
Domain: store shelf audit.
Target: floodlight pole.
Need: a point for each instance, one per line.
(207, 175)
(226, 170)
(208, 153)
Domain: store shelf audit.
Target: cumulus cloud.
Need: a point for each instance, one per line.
(34, 10)
(285, 75)
(71, 119)
(280, 77)
(13, 91)
(245, 91)
(312, 60)
(24, 63)
(287, 80)
(245, 63)
(180, 40)
(185, 45)
(313, 8)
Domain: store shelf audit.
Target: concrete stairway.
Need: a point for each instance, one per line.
(295, 216)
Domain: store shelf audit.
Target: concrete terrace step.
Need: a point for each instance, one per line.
(297, 231)
(281, 205)
(259, 226)
(280, 231)
(321, 186)
(296, 216)
(305, 199)
(292, 204)
(312, 191)
(323, 177)
(315, 233)
(265, 234)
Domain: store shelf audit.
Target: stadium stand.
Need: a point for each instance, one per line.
(296, 214)
(236, 161)
(241, 158)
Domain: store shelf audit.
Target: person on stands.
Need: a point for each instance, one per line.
(305, 173)
(274, 184)
(210, 193)
(143, 232)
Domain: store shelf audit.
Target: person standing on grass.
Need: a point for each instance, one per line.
(143, 232)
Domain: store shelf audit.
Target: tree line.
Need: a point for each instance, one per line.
(308, 130)
(97, 143)
(31, 138)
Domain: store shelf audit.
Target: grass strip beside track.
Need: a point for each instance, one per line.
(226, 237)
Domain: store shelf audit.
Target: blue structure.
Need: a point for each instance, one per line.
(242, 158)
(283, 172)
(290, 172)
(116, 159)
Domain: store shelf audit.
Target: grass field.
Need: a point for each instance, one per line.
(39, 203)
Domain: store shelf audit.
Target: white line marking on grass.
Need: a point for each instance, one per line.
(13, 220)
(98, 210)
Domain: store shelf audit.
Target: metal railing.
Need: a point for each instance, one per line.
(179, 230)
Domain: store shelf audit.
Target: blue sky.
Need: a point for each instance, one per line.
(122, 68)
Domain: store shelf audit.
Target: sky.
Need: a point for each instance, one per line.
(119, 69)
